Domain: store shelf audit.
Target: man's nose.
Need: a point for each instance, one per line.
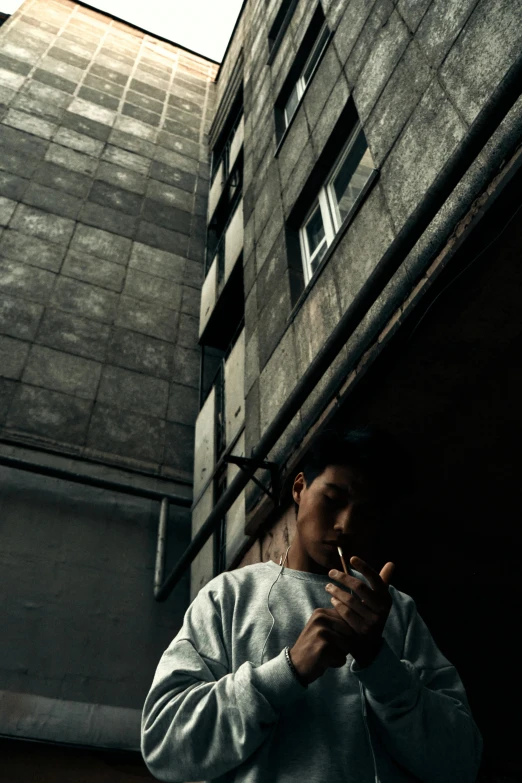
(345, 520)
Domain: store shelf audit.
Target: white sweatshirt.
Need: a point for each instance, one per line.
(225, 706)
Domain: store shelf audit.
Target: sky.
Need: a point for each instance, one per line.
(205, 26)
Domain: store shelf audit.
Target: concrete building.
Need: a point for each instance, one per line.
(362, 267)
(345, 191)
(104, 177)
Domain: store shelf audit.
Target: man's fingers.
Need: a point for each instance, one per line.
(387, 572)
(372, 576)
(353, 603)
(352, 618)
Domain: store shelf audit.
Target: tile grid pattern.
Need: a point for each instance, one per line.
(103, 188)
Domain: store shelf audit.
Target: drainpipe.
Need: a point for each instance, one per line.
(161, 545)
(458, 163)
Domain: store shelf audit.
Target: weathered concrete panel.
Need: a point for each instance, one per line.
(412, 11)
(62, 372)
(69, 333)
(440, 27)
(85, 300)
(361, 248)
(140, 352)
(179, 448)
(19, 318)
(233, 240)
(386, 51)
(50, 414)
(13, 355)
(487, 46)
(202, 568)
(127, 433)
(277, 379)
(396, 103)
(105, 274)
(26, 281)
(101, 243)
(133, 391)
(208, 296)
(31, 250)
(205, 444)
(235, 524)
(157, 262)
(235, 389)
(413, 165)
(43, 225)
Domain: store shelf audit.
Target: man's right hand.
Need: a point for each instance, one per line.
(324, 643)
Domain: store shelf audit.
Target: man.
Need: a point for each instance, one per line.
(353, 691)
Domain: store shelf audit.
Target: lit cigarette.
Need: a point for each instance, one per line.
(342, 558)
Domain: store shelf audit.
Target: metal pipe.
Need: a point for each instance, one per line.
(94, 481)
(458, 163)
(160, 548)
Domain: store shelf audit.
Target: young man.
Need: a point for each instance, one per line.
(269, 682)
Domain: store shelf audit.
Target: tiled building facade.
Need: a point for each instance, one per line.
(104, 177)
(136, 174)
(104, 186)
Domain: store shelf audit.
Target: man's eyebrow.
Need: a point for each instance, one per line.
(339, 487)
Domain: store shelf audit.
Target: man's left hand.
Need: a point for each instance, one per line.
(366, 610)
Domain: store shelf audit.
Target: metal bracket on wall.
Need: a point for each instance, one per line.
(250, 465)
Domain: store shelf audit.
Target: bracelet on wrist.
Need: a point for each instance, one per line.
(292, 667)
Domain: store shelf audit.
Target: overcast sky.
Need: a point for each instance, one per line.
(205, 26)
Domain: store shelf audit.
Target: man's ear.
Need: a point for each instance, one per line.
(298, 486)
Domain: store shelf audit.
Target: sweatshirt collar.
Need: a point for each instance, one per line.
(306, 575)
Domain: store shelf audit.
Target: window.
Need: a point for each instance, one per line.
(221, 153)
(279, 27)
(3, 18)
(306, 74)
(307, 59)
(341, 192)
(227, 184)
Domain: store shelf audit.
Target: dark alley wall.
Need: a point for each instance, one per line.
(103, 191)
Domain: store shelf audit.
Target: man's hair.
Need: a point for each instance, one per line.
(370, 451)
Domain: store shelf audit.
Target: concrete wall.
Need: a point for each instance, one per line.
(104, 181)
(103, 196)
(83, 633)
(450, 392)
(418, 74)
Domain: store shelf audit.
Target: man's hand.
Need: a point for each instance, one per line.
(367, 610)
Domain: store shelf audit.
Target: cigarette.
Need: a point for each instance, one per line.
(342, 558)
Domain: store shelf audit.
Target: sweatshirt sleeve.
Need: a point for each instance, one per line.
(200, 719)
(421, 709)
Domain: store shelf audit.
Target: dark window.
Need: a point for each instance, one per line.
(221, 150)
(3, 18)
(330, 198)
(222, 216)
(227, 159)
(220, 536)
(301, 73)
(222, 330)
(279, 27)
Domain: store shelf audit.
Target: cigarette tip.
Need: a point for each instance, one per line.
(342, 559)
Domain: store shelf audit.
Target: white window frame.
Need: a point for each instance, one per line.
(327, 201)
(329, 233)
(300, 86)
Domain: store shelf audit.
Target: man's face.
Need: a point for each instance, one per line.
(337, 507)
